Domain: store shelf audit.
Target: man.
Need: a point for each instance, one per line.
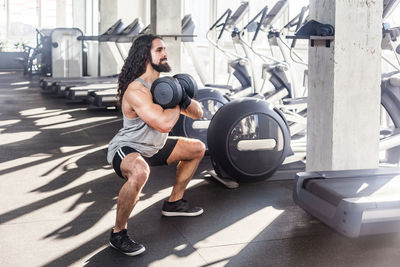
(144, 140)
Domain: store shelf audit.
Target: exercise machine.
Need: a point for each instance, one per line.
(79, 93)
(357, 202)
(58, 84)
(66, 53)
(240, 116)
(213, 96)
(352, 202)
(108, 97)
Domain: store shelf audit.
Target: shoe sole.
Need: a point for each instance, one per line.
(135, 253)
(174, 214)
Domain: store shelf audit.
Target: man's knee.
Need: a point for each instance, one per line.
(199, 149)
(136, 172)
(139, 176)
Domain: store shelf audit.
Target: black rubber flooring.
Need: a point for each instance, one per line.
(58, 198)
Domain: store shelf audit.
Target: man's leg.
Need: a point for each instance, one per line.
(136, 171)
(189, 153)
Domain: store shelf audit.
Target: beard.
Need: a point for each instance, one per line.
(161, 67)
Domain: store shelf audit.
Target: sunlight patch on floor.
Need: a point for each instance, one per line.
(92, 126)
(37, 111)
(24, 160)
(78, 123)
(9, 138)
(67, 149)
(8, 122)
(158, 196)
(54, 120)
(254, 223)
(21, 88)
(55, 113)
(21, 83)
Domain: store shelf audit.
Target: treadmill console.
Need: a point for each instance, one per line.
(132, 28)
(238, 15)
(275, 13)
(115, 28)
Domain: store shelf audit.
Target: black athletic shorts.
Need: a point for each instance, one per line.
(160, 158)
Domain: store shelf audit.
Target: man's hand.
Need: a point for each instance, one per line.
(186, 100)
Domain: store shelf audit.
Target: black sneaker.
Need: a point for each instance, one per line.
(123, 243)
(180, 208)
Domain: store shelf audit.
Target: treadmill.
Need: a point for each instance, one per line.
(78, 93)
(108, 98)
(353, 202)
(54, 84)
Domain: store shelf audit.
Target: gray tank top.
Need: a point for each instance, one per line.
(136, 134)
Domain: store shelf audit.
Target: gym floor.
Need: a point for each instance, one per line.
(58, 198)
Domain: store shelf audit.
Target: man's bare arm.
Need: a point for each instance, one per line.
(193, 111)
(141, 101)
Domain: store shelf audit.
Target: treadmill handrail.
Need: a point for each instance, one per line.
(356, 173)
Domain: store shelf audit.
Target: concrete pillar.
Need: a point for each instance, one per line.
(108, 16)
(79, 14)
(61, 15)
(110, 11)
(166, 20)
(344, 87)
(92, 28)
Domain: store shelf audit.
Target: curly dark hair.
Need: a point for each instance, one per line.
(135, 63)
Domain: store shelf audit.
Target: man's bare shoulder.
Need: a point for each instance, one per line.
(136, 91)
(137, 87)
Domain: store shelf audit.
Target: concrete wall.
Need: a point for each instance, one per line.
(344, 87)
(166, 19)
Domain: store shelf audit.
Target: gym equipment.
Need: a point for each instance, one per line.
(224, 165)
(315, 28)
(95, 97)
(187, 83)
(390, 135)
(210, 100)
(235, 62)
(353, 202)
(66, 53)
(359, 202)
(81, 92)
(56, 83)
(167, 92)
(256, 139)
(248, 140)
(37, 60)
(389, 6)
(102, 98)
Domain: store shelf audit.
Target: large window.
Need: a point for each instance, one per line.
(19, 20)
(48, 14)
(3, 20)
(23, 21)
